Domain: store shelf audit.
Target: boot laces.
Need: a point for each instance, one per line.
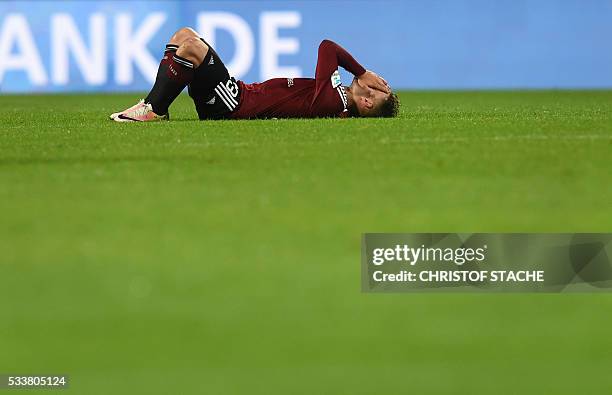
(140, 111)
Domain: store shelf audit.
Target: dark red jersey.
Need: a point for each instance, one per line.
(323, 96)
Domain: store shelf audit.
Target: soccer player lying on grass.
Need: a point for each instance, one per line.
(190, 61)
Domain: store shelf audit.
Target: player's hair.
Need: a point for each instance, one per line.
(389, 108)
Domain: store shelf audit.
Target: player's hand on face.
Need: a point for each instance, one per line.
(371, 80)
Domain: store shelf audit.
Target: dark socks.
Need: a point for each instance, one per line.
(173, 75)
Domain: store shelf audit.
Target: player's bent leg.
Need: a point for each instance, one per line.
(184, 53)
(210, 76)
(194, 50)
(182, 34)
(175, 72)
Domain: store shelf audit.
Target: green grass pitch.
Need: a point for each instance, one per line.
(224, 257)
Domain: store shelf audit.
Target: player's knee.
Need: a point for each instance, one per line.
(193, 49)
(182, 34)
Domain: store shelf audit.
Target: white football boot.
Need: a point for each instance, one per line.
(114, 115)
(141, 112)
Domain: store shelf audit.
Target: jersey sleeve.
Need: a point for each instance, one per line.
(332, 55)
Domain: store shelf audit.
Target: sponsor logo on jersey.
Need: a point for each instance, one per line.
(335, 79)
(212, 101)
(228, 93)
(289, 82)
(211, 61)
(342, 94)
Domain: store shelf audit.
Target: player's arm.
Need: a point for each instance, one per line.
(329, 50)
(332, 55)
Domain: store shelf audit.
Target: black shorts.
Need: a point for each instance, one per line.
(214, 92)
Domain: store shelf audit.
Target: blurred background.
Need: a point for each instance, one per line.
(54, 46)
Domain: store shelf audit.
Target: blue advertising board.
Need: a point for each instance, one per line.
(58, 46)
